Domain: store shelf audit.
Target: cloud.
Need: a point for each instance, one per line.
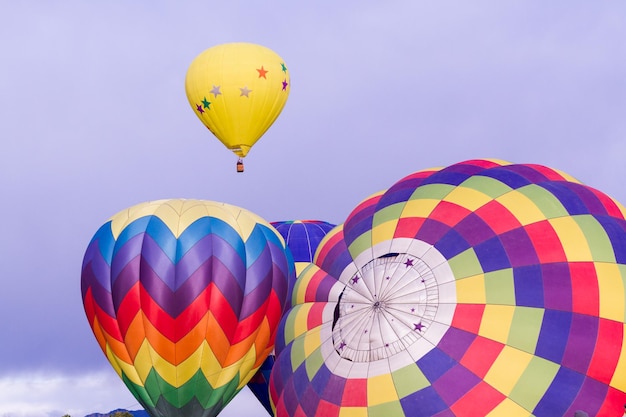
(53, 395)
(41, 394)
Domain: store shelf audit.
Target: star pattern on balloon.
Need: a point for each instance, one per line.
(216, 90)
(206, 104)
(262, 71)
(223, 75)
(245, 91)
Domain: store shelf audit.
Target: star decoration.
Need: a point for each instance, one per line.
(413, 310)
(418, 326)
(206, 103)
(355, 280)
(284, 68)
(199, 108)
(215, 90)
(262, 72)
(285, 84)
(245, 92)
(388, 278)
(409, 262)
(342, 345)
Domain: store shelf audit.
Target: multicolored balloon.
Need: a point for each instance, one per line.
(302, 238)
(184, 298)
(238, 90)
(481, 289)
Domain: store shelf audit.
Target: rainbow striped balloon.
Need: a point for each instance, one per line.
(184, 298)
(480, 289)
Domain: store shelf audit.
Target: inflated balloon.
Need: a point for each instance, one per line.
(259, 384)
(302, 238)
(184, 298)
(481, 289)
(238, 90)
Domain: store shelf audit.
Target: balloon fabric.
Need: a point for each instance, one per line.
(184, 298)
(484, 288)
(302, 238)
(237, 90)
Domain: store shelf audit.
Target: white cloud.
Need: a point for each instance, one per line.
(54, 395)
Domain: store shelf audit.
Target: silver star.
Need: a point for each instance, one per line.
(245, 91)
(215, 90)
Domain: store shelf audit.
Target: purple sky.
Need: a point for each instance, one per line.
(95, 119)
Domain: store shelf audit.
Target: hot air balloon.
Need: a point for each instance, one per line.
(238, 90)
(302, 238)
(484, 288)
(184, 298)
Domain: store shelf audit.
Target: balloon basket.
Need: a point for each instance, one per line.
(240, 166)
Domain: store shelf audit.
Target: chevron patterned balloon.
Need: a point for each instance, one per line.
(184, 298)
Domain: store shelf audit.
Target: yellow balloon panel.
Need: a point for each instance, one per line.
(237, 90)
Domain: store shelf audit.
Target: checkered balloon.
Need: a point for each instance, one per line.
(484, 288)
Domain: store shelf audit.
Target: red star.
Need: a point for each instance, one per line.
(262, 72)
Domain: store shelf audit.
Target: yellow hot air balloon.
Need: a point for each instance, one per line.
(238, 90)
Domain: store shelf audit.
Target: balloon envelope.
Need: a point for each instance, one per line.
(237, 90)
(481, 289)
(302, 238)
(184, 298)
